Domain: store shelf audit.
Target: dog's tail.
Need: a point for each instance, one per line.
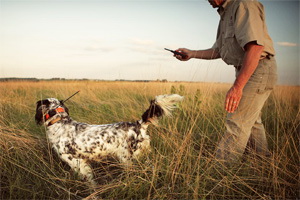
(162, 105)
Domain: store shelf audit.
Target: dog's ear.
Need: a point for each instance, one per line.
(152, 112)
(39, 115)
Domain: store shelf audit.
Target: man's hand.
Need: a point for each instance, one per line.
(188, 54)
(207, 54)
(250, 62)
(233, 98)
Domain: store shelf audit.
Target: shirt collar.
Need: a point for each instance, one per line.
(225, 6)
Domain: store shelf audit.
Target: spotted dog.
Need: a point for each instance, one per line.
(78, 143)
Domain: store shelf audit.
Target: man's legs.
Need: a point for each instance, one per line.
(258, 141)
(239, 126)
(245, 121)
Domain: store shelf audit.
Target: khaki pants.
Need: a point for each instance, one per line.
(244, 128)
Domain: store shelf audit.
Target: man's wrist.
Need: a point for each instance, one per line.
(193, 54)
(239, 86)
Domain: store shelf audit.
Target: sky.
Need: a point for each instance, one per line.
(119, 39)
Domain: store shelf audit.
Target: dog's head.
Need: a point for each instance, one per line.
(49, 109)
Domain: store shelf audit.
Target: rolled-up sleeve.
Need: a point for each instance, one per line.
(215, 46)
(249, 24)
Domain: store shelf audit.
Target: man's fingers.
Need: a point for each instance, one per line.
(232, 101)
(231, 105)
(228, 104)
(234, 106)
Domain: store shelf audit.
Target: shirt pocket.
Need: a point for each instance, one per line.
(229, 51)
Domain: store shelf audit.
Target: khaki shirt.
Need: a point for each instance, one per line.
(241, 22)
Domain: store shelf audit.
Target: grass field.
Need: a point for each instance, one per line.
(181, 164)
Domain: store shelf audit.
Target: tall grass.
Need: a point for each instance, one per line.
(181, 164)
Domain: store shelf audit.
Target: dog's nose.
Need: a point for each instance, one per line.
(52, 113)
(55, 111)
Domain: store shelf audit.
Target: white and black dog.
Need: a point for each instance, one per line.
(78, 143)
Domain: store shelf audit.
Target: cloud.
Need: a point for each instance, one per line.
(141, 45)
(287, 44)
(142, 42)
(96, 45)
(99, 48)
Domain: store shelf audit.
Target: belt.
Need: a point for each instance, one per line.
(268, 56)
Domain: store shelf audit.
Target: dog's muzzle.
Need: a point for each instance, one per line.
(53, 116)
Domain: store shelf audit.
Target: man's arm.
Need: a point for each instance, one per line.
(250, 62)
(207, 54)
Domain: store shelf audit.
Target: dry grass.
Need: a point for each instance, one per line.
(181, 165)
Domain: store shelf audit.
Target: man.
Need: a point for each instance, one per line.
(242, 41)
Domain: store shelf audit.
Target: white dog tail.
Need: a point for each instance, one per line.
(162, 105)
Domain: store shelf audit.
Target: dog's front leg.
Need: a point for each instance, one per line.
(81, 167)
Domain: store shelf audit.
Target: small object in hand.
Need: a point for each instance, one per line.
(177, 53)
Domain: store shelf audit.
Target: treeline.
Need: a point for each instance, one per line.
(63, 79)
(18, 79)
(37, 80)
